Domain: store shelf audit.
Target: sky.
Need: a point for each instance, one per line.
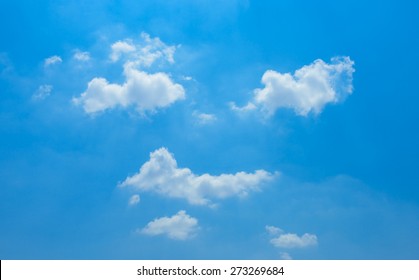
(209, 129)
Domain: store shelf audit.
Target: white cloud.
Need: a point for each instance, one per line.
(52, 60)
(249, 107)
(285, 256)
(144, 52)
(273, 230)
(306, 91)
(161, 175)
(81, 56)
(290, 240)
(121, 47)
(147, 92)
(42, 92)
(203, 118)
(134, 200)
(180, 226)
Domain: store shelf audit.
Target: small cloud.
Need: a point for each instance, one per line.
(52, 60)
(248, 108)
(290, 240)
(42, 92)
(203, 118)
(162, 175)
(180, 226)
(308, 90)
(147, 92)
(285, 256)
(273, 230)
(187, 78)
(81, 56)
(134, 200)
(143, 52)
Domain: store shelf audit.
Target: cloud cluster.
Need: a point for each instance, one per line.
(143, 53)
(145, 91)
(180, 226)
(306, 91)
(282, 239)
(162, 175)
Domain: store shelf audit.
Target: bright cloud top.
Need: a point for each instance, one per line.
(290, 240)
(147, 92)
(306, 91)
(180, 226)
(143, 53)
(161, 175)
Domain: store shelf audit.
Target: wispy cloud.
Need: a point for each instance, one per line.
(162, 175)
(81, 56)
(52, 60)
(204, 118)
(180, 226)
(42, 92)
(134, 200)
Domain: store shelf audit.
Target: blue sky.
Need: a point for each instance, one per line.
(209, 130)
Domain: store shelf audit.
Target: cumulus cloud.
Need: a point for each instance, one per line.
(52, 60)
(134, 200)
(180, 226)
(147, 92)
(162, 175)
(42, 92)
(143, 90)
(81, 56)
(144, 52)
(290, 240)
(306, 91)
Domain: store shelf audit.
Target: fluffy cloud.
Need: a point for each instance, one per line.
(146, 92)
(161, 175)
(52, 60)
(180, 226)
(42, 92)
(306, 91)
(134, 200)
(290, 240)
(143, 53)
